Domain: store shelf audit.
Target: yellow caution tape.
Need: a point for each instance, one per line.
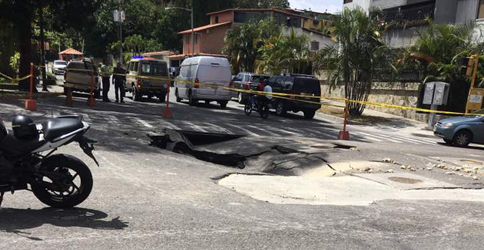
(291, 97)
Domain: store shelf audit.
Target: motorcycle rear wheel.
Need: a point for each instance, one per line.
(64, 182)
(264, 111)
(248, 108)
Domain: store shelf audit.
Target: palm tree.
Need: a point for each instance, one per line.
(354, 61)
(243, 42)
(297, 47)
(438, 55)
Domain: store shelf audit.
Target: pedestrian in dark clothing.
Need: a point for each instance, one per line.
(105, 74)
(119, 77)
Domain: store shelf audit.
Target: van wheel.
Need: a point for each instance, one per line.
(309, 114)
(191, 100)
(223, 104)
(136, 95)
(281, 109)
(178, 99)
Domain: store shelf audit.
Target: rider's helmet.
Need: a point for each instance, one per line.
(24, 127)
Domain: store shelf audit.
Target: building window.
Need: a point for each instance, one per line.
(347, 1)
(480, 13)
(314, 45)
(196, 39)
(216, 19)
(187, 39)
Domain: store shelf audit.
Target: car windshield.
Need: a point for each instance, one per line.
(60, 63)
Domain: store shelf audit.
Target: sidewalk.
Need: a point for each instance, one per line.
(371, 118)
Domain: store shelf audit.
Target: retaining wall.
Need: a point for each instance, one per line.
(402, 94)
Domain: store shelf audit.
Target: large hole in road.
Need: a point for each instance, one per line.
(185, 142)
(238, 151)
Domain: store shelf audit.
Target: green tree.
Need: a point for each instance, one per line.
(439, 53)
(284, 54)
(22, 13)
(360, 52)
(243, 43)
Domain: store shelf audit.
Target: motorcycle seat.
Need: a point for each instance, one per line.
(55, 128)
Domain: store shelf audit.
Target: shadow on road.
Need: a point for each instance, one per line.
(15, 220)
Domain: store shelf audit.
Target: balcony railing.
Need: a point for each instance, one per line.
(409, 15)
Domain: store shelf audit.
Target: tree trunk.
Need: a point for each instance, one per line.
(25, 46)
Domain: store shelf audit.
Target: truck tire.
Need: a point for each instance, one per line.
(309, 114)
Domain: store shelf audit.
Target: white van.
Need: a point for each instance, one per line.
(198, 72)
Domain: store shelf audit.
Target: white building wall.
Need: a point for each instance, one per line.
(324, 41)
(364, 4)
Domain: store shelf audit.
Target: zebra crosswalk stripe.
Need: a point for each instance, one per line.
(369, 137)
(243, 129)
(218, 128)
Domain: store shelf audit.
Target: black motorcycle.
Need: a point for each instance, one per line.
(59, 180)
(259, 103)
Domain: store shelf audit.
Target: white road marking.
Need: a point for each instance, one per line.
(86, 118)
(422, 141)
(113, 118)
(194, 126)
(368, 136)
(219, 128)
(168, 124)
(385, 138)
(243, 129)
(143, 122)
(261, 129)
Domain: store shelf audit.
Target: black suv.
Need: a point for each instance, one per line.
(305, 85)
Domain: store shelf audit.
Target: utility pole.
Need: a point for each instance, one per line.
(193, 34)
(120, 34)
(42, 49)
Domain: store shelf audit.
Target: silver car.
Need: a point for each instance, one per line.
(79, 74)
(461, 131)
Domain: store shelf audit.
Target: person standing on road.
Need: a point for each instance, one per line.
(119, 76)
(105, 74)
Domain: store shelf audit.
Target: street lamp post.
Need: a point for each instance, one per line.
(193, 31)
(119, 18)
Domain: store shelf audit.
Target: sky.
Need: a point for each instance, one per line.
(331, 6)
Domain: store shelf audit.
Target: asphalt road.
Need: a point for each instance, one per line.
(148, 198)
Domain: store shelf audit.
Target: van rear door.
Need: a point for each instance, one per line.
(156, 74)
(213, 78)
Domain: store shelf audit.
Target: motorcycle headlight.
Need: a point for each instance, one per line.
(447, 125)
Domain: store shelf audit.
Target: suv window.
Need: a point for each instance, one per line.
(278, 83)
(288, 83)
(307, 85)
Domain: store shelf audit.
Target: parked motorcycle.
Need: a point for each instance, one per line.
(27, 161)
(258, 103)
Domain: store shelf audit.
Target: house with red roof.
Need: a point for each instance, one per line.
(209, 39)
